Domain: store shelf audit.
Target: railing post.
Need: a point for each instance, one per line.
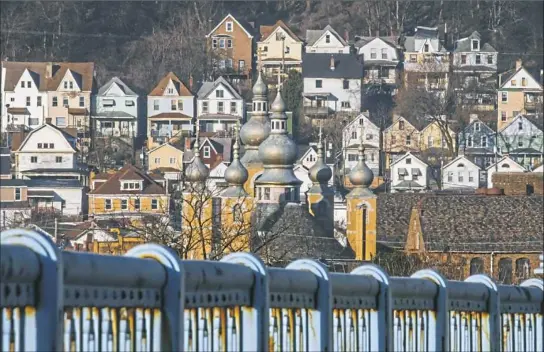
(491, 340)
(439, 339)
(49, 308)
(255, 319)
(321, 323)
(539, 328)
(173, 294)
(380, 319)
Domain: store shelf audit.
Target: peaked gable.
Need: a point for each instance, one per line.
(269, 31)
(330, 31)
(165, 146)
(460, 158)
(116, 87)
(62, 136)
(520, 118)
(209, 87)
(508, 161)
(365, 118)
(232, 18)
(29, 75)
(129, 172)
(171, 80)
(408, 154)
(518, 76)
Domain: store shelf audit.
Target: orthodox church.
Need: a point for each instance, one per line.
(260, 210)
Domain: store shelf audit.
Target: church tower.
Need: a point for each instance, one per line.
(362, 209)
(278, 183)
(320, 197)
(254, 132)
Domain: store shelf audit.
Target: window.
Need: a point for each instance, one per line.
(265, 49)
(51, 146)
(39, 101)
(58, 159)
(33, 121)
(520, 144)
(229, 43)
(180, 105)
(470, 176)
(346, 104)
(22, 84)
(327, 38)
(129, 102)
(155, 105)
(237, 212)
(81, 102)
(71, 85)
(154, 204)
(219, 93)
(520, 126)
(476, 266)
(173, 105)
(463, 59)
(61, 121)
(241, 64)
(523, 268)
(17, 194)
(484, 141)
(353, 134)
(426, 48)
(222, 43)
(460, 177)
(12, 99)
(430, 141)
(513, 83)
(220, 106)
(40, 145)
(207, 151)
(413, 58)
(504, 97)
(267, 193)
(503, 115)
(505, 271)
(214, 43)
(137, 204)
(408, 140)
(450, 176)
(384, 53)
(170, 90)
(124, 204)
(478, 59)
(373, 54)
(477, 126)
(107, 202)
(228, 26)
(172, 161)
(523, 81)
(475, 44)
(65, 102)
(33, 159)
(65, 84)
(352, 157)
(408, 161)
(233, 107)
(369, 136)
(318, 83)
(157, 160)
(27, 101)
(489, 59)
(401, 125)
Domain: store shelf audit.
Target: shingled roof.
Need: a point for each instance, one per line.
(128, 172)
(468, 223)
(181, 88)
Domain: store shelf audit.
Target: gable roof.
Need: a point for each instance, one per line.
(489, 125)
(266, 31)
(460, 157)
(245, 26)
(389, 40)
(63, 133)
(417, 123)
(503, 159)
(208, 87)
(465, 44)
(405, 156)
(49, 74)
(313, 35)
(536, 121)
(164, 145)
(222, 146)
(317, 65)
(511, 73)
(116, 80)
(181, 88)
(361, 115)
(129, 172)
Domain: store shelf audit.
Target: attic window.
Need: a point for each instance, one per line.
(477, 126)
(505, 166)
(327, 38)
(401, 125)
(426, 48)
(228, 26)
(219, 93)
(129, 102)
(475, 44)
(22, 84)
(523, 81)
(408, 161)
(207, 152)
(461, 165)
(131, 185)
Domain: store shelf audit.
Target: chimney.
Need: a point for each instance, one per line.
(47, 120)
(48, 69)
(519, 63)
(377, 33)
(191, 82)
(346, 35)
(332, 66)
(473, 117)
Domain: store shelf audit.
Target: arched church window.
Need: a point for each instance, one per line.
(505, 271)
(476, 266)
(523, 268)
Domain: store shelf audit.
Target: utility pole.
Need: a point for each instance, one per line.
(56, 232)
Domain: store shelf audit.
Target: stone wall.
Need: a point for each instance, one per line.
(519, 183)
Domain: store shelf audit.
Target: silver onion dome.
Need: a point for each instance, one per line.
(259, 88)
(254, 132)
(196, 171)
(320, 172)
(236, 174)
(361, 175)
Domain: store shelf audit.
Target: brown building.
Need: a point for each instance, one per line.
(501, 236)
(213, 151)
(230, 44)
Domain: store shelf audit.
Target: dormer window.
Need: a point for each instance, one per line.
(207, 152)
(477, 126)
(131, 185)
(328, 38)
(228, 26)
(475, 44)
(219, 93)
(426, 48)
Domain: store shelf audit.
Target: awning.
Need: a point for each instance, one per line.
(41, 194)
(416, 172)
(402, 171)
(77, 111)
(18, 111)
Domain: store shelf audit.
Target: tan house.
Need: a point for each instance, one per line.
(279, 47)
(230, 44)
(14, 205)
(519, 93)
(166, 160)
(400, 137)
(432, 136)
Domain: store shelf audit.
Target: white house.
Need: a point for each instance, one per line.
(332, 84)
(47, 151)
(539, 169)
(115, 110)
(216, 178)
(219, 106)
(326, 41)
(409, 174)
(351, 138)
(64, 195)
(504, 165)
(301, 173)
(460, 173)
(380, 56)
(523, 140)
(307, 157)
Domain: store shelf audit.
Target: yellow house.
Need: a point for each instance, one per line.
(400, 137)
(129, 193)
(432, 136)
(165, 158)
(278, 46)
(519, 93)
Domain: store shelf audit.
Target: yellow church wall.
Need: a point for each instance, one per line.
(367, 250)
(252, 171)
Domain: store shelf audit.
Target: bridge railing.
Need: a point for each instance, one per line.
(150, 300)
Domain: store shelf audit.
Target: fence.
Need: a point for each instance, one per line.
(149, 300)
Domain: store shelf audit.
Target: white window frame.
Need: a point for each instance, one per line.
(108, 204)
(219, 93)
(18, 193)
(124, 204)
(229, 26)
(207, 151)
(172, 160)
(154, 204)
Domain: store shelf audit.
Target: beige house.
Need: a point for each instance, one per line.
(278, 47)
(166, 160)
(400, 137)
(519, 93)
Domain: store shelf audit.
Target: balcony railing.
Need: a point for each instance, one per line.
(152, 301)
(317, 110)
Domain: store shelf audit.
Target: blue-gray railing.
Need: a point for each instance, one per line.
(149, 300)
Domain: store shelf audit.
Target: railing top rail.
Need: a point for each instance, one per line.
(350, 285)
(459, 290)
(282, 280)
(18, 264)
(215, 276)
(412, 287)
(516, 299)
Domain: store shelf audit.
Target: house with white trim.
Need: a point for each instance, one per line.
(504, 165)
(523, 140)
(351, 138)
(409, 174)
(460, 173)
(326, 41)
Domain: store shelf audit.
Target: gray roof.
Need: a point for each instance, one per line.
(13, 183)
(303, 148)
(362, 41)
(312, 35)
(426, 32)
(207, 87)
(114, 114)
(47, 182)
(14, 205)
(318, 66)
(121, 84)
(408, 184)
(464, 44)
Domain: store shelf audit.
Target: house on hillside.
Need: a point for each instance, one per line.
(426, 60)
(49, 152)
(170, 111)
(219, 107)
(213, 151)
(433, 139)
(65, 197)
(409, 174)
(519, 92)
(116, 112)
(326, 41)
(381, 57)
(166, 160)
(5, 163)
(332, 85)
(351, 139)
(523, 140)
(477, 141)
(278, 48)
(15, 209)
(402, 136)
(503, 165)
(460, 173)
(475, 73)
(230, 46)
